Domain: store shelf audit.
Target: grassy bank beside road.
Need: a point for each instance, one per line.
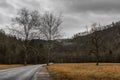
(9, 66)
(85, 71)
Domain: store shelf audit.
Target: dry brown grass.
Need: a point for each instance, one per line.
(85, 71)
(9, 66)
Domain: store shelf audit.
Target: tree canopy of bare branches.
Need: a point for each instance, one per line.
(23, 26)
(50, 30)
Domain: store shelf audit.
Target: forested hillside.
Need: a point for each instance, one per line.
(81, 48)
(77, 49)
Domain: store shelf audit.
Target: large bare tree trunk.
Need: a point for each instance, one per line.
(48, 58)
(26, 51)
(97, 61)
(48, 54)
(25, 59)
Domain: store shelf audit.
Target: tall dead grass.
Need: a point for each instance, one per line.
(9, 66)
(85, 71)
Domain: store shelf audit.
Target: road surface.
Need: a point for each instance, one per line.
(19, 73)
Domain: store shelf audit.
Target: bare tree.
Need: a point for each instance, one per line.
(50, 30)
(96, 41)
(23, 26)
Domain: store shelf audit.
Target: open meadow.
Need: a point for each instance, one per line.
(5, 66)
(85, 71)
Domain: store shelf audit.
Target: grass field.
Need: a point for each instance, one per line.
(9, 66)
(85, 71)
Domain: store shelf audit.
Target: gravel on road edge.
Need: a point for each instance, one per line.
(42, 74)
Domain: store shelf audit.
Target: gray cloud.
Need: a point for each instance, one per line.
(97, 6)
(4, 4)
(77, 13)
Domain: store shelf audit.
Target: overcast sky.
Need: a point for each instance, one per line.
(76, 13)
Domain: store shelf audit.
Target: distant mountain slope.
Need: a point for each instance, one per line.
(78, 48)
